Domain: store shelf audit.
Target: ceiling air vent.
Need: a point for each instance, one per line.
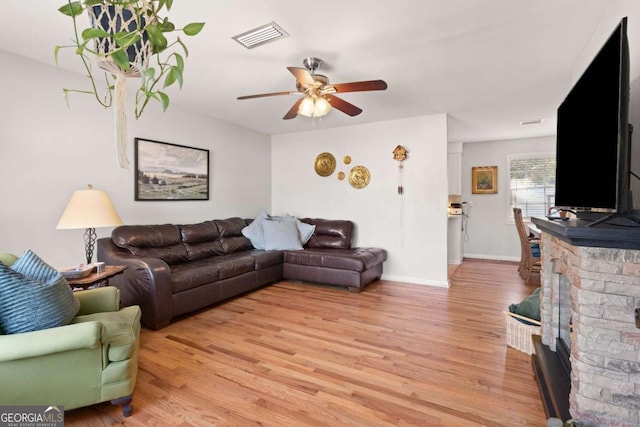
(261, 35)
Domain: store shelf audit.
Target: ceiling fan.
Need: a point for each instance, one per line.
(319, 93)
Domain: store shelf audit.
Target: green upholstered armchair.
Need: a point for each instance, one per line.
(94, 359)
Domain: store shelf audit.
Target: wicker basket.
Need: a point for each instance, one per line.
(519, 334)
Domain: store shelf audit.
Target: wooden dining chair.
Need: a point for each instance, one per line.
(529, 264)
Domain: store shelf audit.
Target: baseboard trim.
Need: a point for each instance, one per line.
(416, 280)
(492, 257)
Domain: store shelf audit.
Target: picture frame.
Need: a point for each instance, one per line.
(170, 172)
(484, 179)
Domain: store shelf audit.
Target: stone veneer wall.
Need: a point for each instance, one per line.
(605, 344)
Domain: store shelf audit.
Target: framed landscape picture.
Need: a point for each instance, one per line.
(170, 172)
(484, 179)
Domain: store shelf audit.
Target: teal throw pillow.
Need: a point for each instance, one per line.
(34, 296)
(529, 307)
(32, 266)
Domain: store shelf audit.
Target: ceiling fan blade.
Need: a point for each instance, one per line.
(302, 75)
(360, 86)
(293, 112)
(262, 95)
(343, 105)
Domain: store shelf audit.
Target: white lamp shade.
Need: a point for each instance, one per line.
(89, 209)
(314, 106)
(322, 107)
(306, 107)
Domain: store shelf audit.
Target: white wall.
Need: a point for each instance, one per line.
(489, 233)
(412, 227)
(48, 151)
(617, 10)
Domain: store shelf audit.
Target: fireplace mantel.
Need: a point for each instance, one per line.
(577, 233)
(596, 270)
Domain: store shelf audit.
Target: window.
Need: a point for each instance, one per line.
(532, 183)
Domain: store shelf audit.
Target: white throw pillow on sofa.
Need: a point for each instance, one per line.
(254, 231)
(281, 235)
(305, 230)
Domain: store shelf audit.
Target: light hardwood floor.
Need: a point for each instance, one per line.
(294, 354)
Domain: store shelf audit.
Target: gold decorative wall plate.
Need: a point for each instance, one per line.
(347, 160)
(359, 177)
(340, 176)
(325, 164)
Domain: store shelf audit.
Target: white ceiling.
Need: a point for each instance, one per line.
(489, 64)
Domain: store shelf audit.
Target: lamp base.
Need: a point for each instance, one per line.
(90, 237)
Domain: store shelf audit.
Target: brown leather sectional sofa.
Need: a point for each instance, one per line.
(177, 269)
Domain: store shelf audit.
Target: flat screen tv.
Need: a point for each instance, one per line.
(593, 147)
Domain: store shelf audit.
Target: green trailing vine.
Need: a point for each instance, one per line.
(165, 67)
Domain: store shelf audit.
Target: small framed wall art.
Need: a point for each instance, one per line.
(170, 172)
(484, 179)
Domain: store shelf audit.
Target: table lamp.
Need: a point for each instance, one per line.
(89, 209)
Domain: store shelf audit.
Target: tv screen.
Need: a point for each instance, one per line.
(593, 147)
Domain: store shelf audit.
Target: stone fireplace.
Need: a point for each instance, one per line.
(588, 298)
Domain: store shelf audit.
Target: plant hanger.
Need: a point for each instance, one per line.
(127, 38)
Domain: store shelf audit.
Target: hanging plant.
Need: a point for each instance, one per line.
(128, 38)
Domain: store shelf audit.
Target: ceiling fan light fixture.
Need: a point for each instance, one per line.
(318, 98)
(314, 106)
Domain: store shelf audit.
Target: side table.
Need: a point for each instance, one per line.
(97, 280)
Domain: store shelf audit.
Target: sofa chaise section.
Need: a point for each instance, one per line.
(329, 258)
